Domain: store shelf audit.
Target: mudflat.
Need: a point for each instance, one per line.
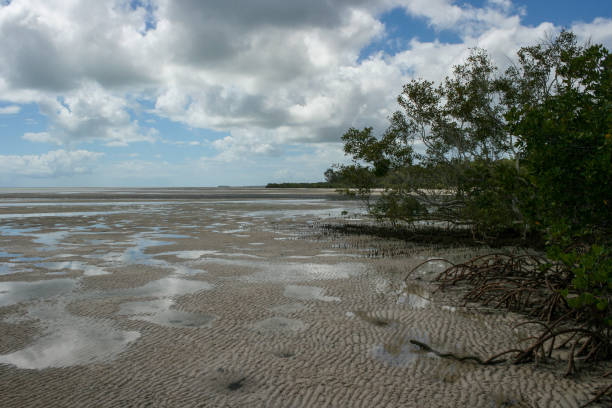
(229, 298)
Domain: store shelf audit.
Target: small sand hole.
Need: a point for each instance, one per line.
(236, 385)
(375, 320)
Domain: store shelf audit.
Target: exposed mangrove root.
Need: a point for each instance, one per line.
(429, 235)
(532, 285)
(426, 262)
(490, 361)
(523, 283)
(598, 397)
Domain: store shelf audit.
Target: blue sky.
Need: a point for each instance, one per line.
(193, 93)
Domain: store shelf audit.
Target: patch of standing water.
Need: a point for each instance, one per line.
(183, 270)
(9, 231)
(432, 266)
(28, 259)
(413, 295)
(291, 214)
(88, 270)
(166, 287)
(191, 254)
(398, 351)
(414, 301)
(61, 214)
(6, 268)
(136, 255)
(84, 203)
(161, 312)
(69, 340)
(300, 272)
(50, 240)
(98, 226)
(308, 293)
(14, 292)
(170, 236)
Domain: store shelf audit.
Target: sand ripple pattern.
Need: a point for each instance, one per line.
(238, 303)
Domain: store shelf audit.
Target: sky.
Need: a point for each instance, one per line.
(234, 92)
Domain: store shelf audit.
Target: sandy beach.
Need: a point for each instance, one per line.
(235, 298)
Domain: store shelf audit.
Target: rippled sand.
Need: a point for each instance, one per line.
(234, 302)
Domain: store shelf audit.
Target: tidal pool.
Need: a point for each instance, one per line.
(300, 272)
(166, 287)
(161, 312)
(15, 292)
(88, 270)
(69, 340)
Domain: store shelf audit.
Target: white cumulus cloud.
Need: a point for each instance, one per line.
(271, 74)
(51, 164)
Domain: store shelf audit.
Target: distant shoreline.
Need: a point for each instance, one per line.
(190, 193)
(319, 184)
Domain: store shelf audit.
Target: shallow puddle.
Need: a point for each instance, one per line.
(183, 270)
(88, 270)
(398, 351)
(9, 231)
(414, 301)
(14, 292)
(190, 254)
(161, 312)
(50, 240)
(69, 340)
(60, 214)
(6, 269)
(165, 287)
(302, 272)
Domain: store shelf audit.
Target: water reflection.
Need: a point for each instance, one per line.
(161, 312)
(414, 301)
(166, 287)
(9, 231)
(88, 270)
(398, 351)
(298, 272)
(14, 292)
(6, 268)
(69, 340)
(60, 214)
(50, 239)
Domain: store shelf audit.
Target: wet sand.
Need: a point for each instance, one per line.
(156, 298)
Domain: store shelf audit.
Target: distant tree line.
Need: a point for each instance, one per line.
(320, 184)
